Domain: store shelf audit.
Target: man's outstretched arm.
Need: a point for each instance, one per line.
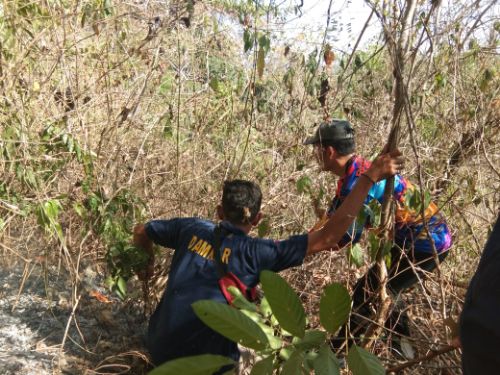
(328, 237)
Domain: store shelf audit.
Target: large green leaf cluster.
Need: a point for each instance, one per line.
(277, 331)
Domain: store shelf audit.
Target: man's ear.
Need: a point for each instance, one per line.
(256, 219)
(220, 212)
(331, 153)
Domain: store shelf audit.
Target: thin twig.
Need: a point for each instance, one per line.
(72, 315)
(431, 355)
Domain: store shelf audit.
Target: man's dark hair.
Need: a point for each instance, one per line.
(241, 201)
(343, 146)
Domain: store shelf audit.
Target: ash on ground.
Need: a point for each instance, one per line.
(42, 332)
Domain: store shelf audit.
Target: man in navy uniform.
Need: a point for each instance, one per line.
(174, 329)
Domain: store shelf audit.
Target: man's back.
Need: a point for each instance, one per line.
(174, 330)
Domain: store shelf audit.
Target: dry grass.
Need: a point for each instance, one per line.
(143, 110)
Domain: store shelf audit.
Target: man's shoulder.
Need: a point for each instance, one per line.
(198, 221)
(256, 243)
(196, 224)
(181, 225)
(292, 240)
(193, 219)
(285, 253)
(251, 242)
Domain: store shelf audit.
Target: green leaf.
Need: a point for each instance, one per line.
(334, 307)
(78, 152)
(275, 343)
(59, 231)
(312, 63)
(365, 216)
(239, 300)
(386, 250)
(415, 200)
(357, 62)
(440, 80)
(288, 80)
(248, 40)
(286, 352)
(214, 84)
(408, 197)
(304, 184)
(263, 367)
(167, 82)
(326, 363)
(254, 316)
(374, 242)
(121, 286)
(195, 365)
(231, 323)
(263, 228)
(355, 255)
(388, 260)
(265, 308)
(265, 43)
(312, 339)
(87, 12)
(312, 86)
(285, 304)
(427, 199)
(362, 362)
(310, 357)
(52, 208)
(107, 7)
(30, 178)
(293, 365)
(376, 209)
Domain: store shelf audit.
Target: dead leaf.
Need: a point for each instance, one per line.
(99, 296)
(260, 62)
(328, 55)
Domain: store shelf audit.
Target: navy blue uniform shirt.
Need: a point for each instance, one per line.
(174, 329)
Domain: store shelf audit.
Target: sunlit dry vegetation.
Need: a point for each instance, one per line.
(113, 113)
